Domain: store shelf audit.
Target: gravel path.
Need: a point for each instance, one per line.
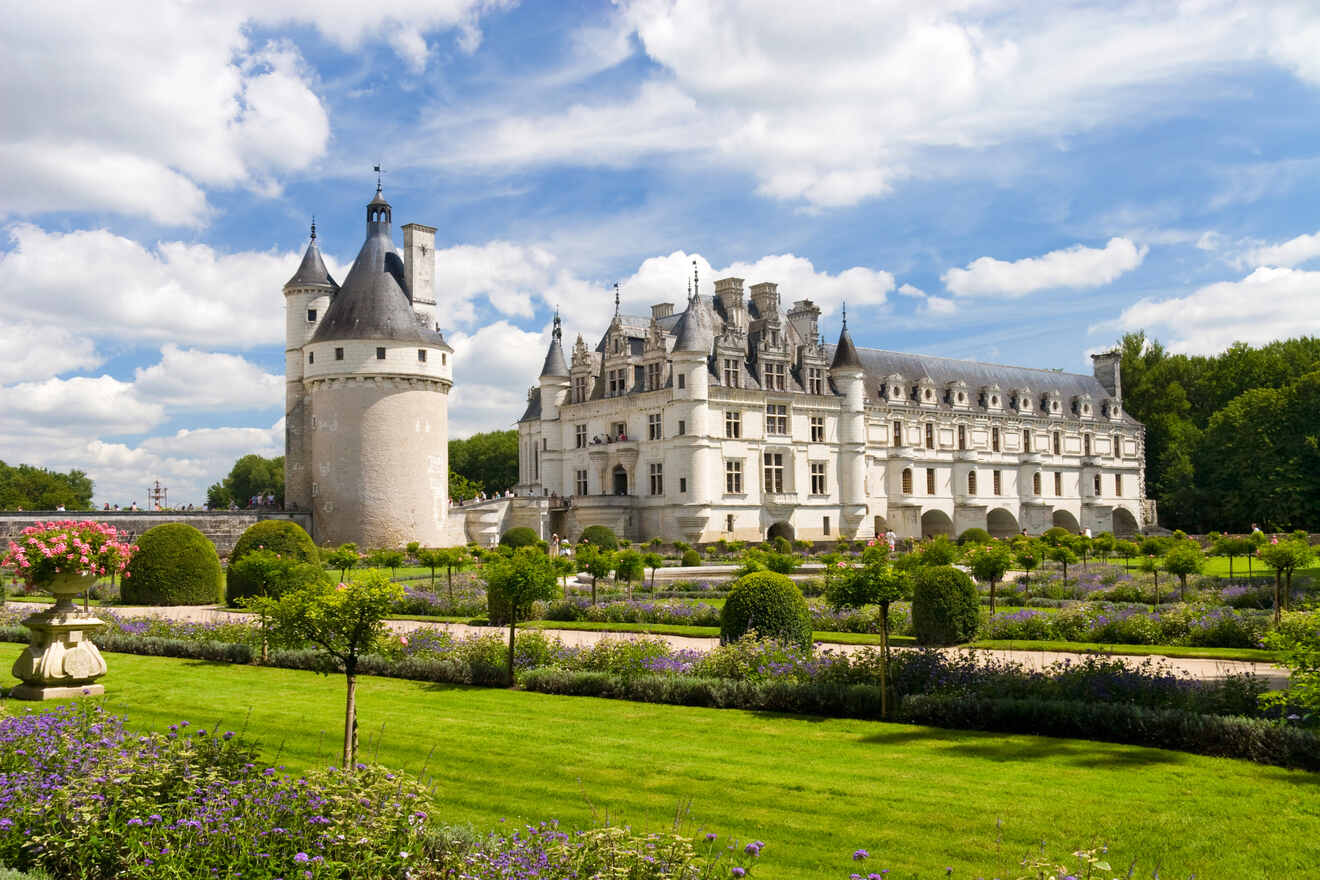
(1274, 676)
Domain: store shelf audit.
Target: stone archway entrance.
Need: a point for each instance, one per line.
(1065, 520)
(780, 529)
(620, 480)
(936, 522)
(1001, 524)
(1125, 524)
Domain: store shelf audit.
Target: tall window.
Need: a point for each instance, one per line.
(657, 478)
(380, 353)
(579, 436)
(339, 354)
(1058, 443)
(818, 484)
(1026, 440)
(731, 377)
(817, 429)
(825, 526)
(616, 382)
(930, 481)
(907, 481)
(733, 474)
(930, 435)
(971, 482)
(682, 485)
(776, 418)
(774, 472)
(1118, 446)
(653, 429)
(732, 424)
(1035, 483)
(962, 436)
(581, 481)
(898, 434)
(994, 439)
(728, 523)
(682, 427)
(999, 484)
(1086, 444)
(654, 374)
(1097, 485)
(1118, 485)
(682, 381)
(815, 380)
(775, 377)
(579, 389)
(1058, 484)
(421, 355)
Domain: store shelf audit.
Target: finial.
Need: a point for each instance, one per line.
(379, 171)
(696, 282)
(557, 333)
(313, 227)
(616, 298)
(845, 316)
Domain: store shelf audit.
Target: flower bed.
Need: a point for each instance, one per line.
(1194, 625)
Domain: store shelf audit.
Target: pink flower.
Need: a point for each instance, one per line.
(403, 640)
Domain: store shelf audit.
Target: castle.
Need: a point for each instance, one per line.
(732, 419)
(367, 379)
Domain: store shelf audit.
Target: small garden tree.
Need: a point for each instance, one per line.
(1126, 549)
(989, 563)
(451, 559)
(944, 606)
(1285, 558)
(343, 557)
(386, 558)
(345, 621)
(938, 551)
(1062, 554)
(596, 562)
(513, 583)
(653, 561)
(1151, 565)
(1103, 544)
(267, 574)
(873, 583)
(1297, 639)
(1183, 559)
(628, 567)
(769, 604)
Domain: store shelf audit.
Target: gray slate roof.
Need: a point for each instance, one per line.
(311, 271)
(696, 328)
(845, 353)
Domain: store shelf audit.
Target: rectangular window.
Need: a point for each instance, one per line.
(444, 358)
(682, 427)
(999, 484)
(1035, 483)
(818, 485)
(682, 485)
(316, 489)
(619, 430)
(732, 424)
(1097, 485)
(907, 481)
(339, 354)
(774, 472)
(775, 377)
(731, 375)
(1086, 444)
(653, 374)
(728, 523)
(581, 482)
(962, 436)
(653, 431)
(311, 357)
(380, 354)
(930, 435)
(579, 436)
(733, 475)
(817, 429)
(776, 418)
(1026, 441)
(311, 316)
(971, 482)
(1058, 443)
(994, 439)
(1118, 485)
(657, 472)
(616, 381)
(579, 389)
(421, 355)
(825, 526)
(682, 381)
(1058, 484)
(1118, 446)
(930, 481)
(898, 434)
(815, 380)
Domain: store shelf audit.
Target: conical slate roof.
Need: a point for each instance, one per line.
(696, 329)
(374, 302)
(311, 271)
(845, 353)
(555, 366)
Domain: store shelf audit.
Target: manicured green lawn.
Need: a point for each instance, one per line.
(813, 789)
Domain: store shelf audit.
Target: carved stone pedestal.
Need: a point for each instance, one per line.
(61, 660)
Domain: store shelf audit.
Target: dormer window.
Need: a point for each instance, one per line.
(1022, 400)
(992, 397)
(893, 388)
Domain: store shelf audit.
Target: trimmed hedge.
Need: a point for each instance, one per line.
(974, 535)
(691, 558)
(944, 606)
(175, 564)
(769, 604)
(519, 536)
(600, 536)
(278, 535)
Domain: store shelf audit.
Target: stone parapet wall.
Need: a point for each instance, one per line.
(223, 527)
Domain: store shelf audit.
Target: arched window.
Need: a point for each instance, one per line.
(907, 481)
(971, 482)
(1035, 483)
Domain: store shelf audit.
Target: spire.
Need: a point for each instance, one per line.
(695, 331)
(696, 284)
(555, 366)
(845, 353)
(845, 317)
(313, 227)
(311, 271)
(616, 299)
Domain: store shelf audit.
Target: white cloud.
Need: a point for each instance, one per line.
(928, 304)
(82, 404)
(31, 351)
(1270, 303)
(1073, 267)
(189, 379)
(493, 368)
(830, 104)
(1293, 252)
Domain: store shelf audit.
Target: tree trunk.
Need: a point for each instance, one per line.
(350, 718)
(1182, 588)
(884, 661)
(1278, 611)
(1154, 608)
(992, 597)
(1287, 590)
(593, 589)
(1230, 566)
(512, 628)
(451, 586)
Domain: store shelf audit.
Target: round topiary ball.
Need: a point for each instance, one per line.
(600, 536)
(277, 535)
(519, 536)
(768, 604)
(690, 558)
(974, 536)
(945, 608)
(175, 564)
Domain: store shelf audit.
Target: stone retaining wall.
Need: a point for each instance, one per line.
(223, 527)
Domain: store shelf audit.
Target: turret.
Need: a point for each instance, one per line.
(848, 377)
(554, 379)
(306, 297)
(694, 339)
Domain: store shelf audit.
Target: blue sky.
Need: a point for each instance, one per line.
(1012, 182)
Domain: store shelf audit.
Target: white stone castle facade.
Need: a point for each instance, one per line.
(732, 419)
(367, 377)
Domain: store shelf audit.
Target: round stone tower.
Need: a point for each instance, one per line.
(377, 376)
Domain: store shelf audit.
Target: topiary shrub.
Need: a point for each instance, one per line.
(974, 536)
(520, 536)
(1054, 535)
(600, 536)
(174, 565)
(944, 606)
(277, 535)
(768, 604)
(782, 544)
(690, 558)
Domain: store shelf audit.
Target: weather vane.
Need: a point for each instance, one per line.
(379, 171)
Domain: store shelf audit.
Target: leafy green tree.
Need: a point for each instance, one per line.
(253, 475)
(873, 583)
(385, 558)
(1062, 554)
(451, 559)
(1285, 558)
(1183, 559)
(33, 488)
(344, 557)
(345, 621)
(489, 460)
(1229, 546)
(1027, 554)
(1151, 564)
(461, 488)
(939, 550)
(653, 561)
(1104, 544)
(628, 567)
(989, 563)
(513, 583)
(1296, 638)
(596, 562)
(1126, 549)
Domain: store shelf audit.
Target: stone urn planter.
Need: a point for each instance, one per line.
(61, 660)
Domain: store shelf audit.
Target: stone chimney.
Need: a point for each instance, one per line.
(805, 318)
(729, 292)
(765, 296)
(662, 310)
(419, 269)
(1107, 373)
